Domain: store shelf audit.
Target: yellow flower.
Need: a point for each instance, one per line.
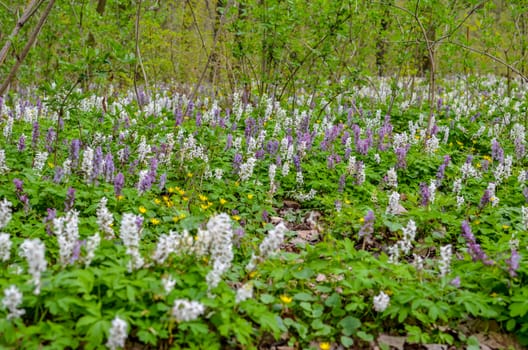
(250, 196)
(252, 274)
(185, 199)
(51, 165)
(120, 197)
(362, 220)
(155, 221)
(347, 201)
(324, 345)
(505, 227)
(183, 216)
(175, 218)
(285, 299)
(222, 201)
(236, 217)
(157, 201)
(202, 198)
(203, 206)
(142, 209)
(459, 143)
(171, 189)
(189, 174)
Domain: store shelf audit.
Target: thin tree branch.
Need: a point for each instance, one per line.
(492, 57)
(28, 12)
(27, 47)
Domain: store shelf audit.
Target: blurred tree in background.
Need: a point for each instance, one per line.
(273, 47)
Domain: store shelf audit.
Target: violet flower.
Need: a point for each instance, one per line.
(70, 199)
(474, 249)
(368, 225)
(119, 183)
(513, 262)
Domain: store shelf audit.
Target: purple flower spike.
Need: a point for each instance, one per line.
(474, 248)
(70, 199)
(119, 183)
(368, 225)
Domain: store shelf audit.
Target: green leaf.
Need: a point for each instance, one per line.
(304, 297)
(347, 341)
(349, 325)
(303, 274)
(267, 298)
(365, 336)
(333, 300)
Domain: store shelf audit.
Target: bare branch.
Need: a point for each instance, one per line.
(28, 12)
(27, 47)
(492, 57)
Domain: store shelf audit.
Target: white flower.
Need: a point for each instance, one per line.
(524, 212)
(394, 201)
(243, 293)
(168, 283)
(130, 235)
(432, 191)
(39, 161)
(457, 186)
(460, 201)
(87, 163)
(5, 246)
(381, 301)
(392, 178)
(246, 169)
(34, 252)
(185, 310)
(118, 334)
(105, 220)
(273, 240)
(221, 248)
(5, 213)
(67, 232)
(445, 262)
(3, 166)
(431, 145)
(12, 300)
(92, 243)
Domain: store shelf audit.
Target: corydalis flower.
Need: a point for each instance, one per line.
(130, 235)
(118, 334)
(381, 302)
(92, 243)
(5, 246)
(70, 199)
(67, 232)
(445, 260)
(368, 224)
(474, 248)
(222, 255)
(34, 252)
(185, 310)
(269, 245)
(105, 220)
(5, 213)
(244, 293)
(513, 262)
(12, 300)
(394, 204)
